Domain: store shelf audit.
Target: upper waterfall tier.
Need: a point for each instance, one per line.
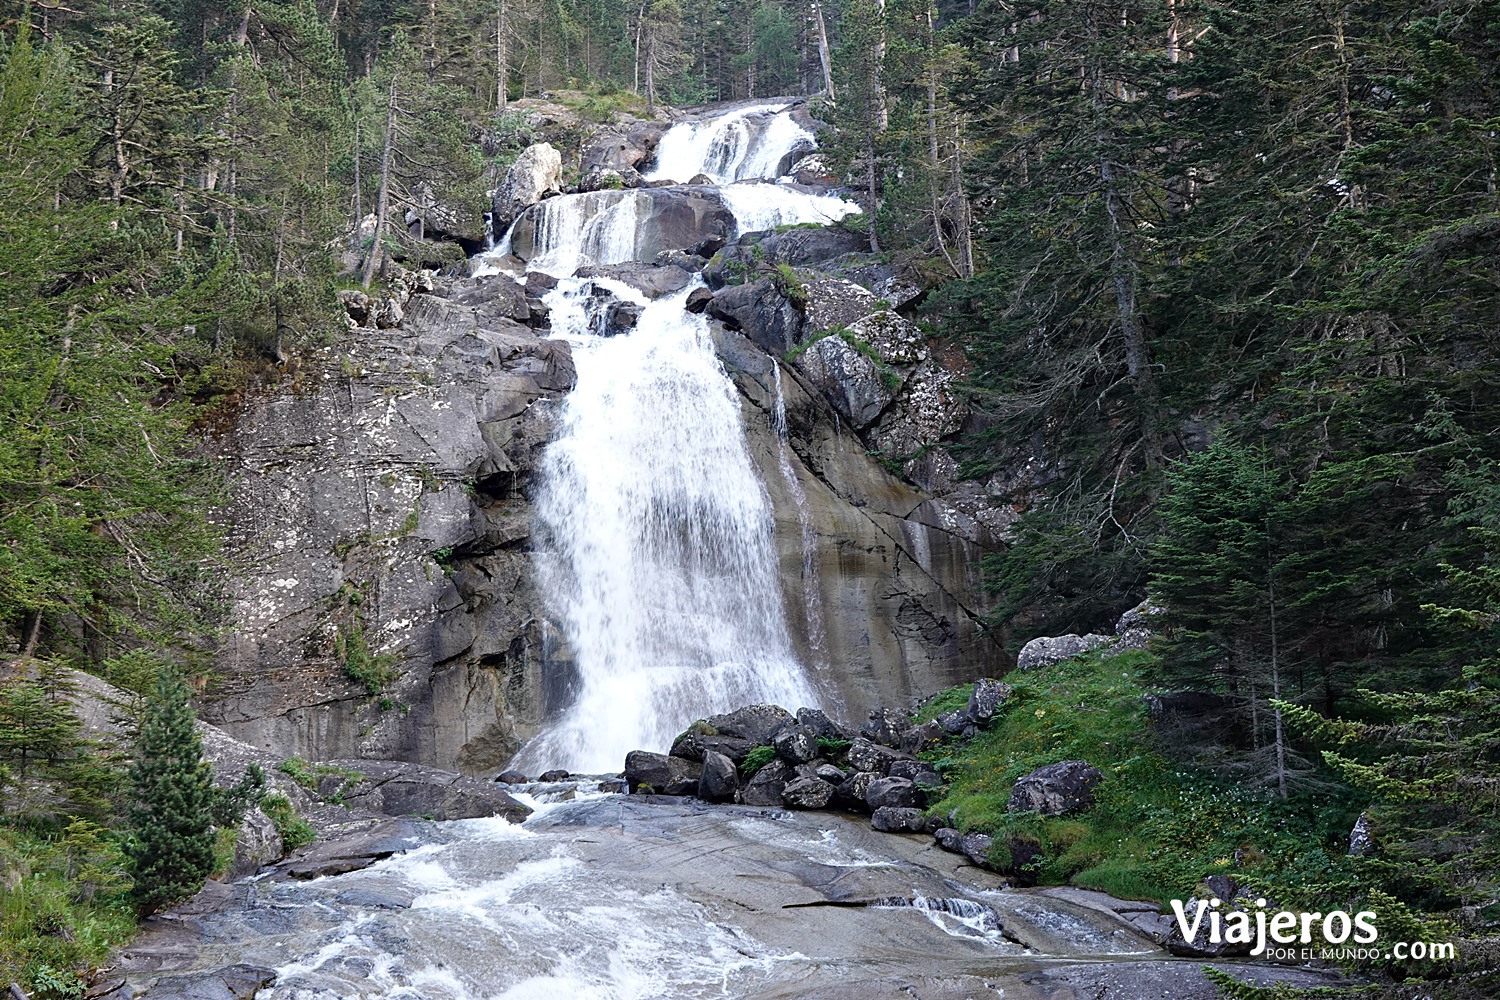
(753, 143)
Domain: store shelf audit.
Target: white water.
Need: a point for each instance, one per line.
(740, 150)
(656, 555)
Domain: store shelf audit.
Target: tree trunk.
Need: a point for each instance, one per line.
(502, 56)
(382, 201)
(934, 163)
(823, 54)
(1276, 694)
(640, 24)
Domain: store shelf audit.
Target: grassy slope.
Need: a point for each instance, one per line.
(1155, 829)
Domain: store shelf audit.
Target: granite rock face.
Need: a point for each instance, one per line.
(379, 507)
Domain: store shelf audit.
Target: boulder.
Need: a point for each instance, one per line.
(918, 772)
(536, 174)
(833, 302)
(730, 265)
(850, 380)
(896, 339)
(822, 726)
(660, 773)
(257, 845)
(512, 778)
(899, 793)
(557, 774)
(1056, 790)
(867, 756)
(1137, 627)
(1025, 855)
(720, 778)
(976, 847)
(493, 296)
(761, 312)
(949, 839)
(397, 788)
(1361, 840)
(538, 284)
(766, 786)
(851, 794)
(618, 318)
(650, 280)
(619, 153)
(987, 697)
(807, 793)
(698, 300)
(695, 744)
(757, 723)
(919, 738)
(955, 722)
(796, 744)
(894, 819)
(807, 245)
(1044, 651)
(885, 726)
(829, 773)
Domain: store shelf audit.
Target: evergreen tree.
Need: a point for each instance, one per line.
(171, 820)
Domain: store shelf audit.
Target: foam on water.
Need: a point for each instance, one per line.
(742, 144)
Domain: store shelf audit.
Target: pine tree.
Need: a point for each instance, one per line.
(172, 847)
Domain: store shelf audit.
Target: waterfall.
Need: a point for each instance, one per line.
(655, 553)
(747, 144)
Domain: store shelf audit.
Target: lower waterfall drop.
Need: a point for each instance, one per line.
(656, 553)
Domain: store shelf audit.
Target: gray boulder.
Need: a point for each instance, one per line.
(1056, 790)
(758, 723)
(896, 339)
(885, 726)
(695, 745)
(493, 296)
(949, 839)
(829, 773)
(851, 794)
(867, 756)
(851, 381)
(833, 302)
(397, 788)
(257, 845)
(512, 778)
(899, 793)
(822, 726)
(808, 793)
(1137, 627)
(761, 312)
(987, 697)
(976, 847)
(1044, 651)
(661, 774)
(720, 778)
(557, 774)
(796, 744)
(1361, 840)
(536, 174)
(767, 785)
(619, 153)
(955, 722)
(919, 738)
(894, 819)
(808, 245)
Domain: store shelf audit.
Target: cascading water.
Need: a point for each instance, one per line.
(747, 144)
(657, 555)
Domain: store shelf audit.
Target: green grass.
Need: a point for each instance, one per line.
(944, 702)
(293, 829)
(310, 776)
(757, 759)
(1155, 829)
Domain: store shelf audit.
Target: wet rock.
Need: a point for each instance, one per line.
(761, 312)
(894, 819)
(808, 793)
(538, 284)
(987, 697)
(1056, 790)
(660, 773)
(853, 383)
(976, 847)
(757, 723)
(698, 300)
(619, 318)
(1044, 651)
(350, 852)
(719, 780)
(867, 756)
(949, 839)
(373, 899)
(885, 726)
(235, 982)
(648, 279)
(557, 774)
(536, 174)
(919, 738)
(900, 793)
(955, 722)
(669, 219)
(396, 788)
(812, 245)
(796, 744)
(851, 794)
(707, 248)
(512, 778)
(767, 785)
